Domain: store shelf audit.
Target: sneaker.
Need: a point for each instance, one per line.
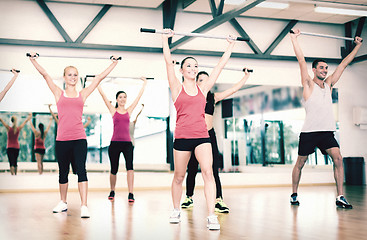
(60, 207)
(131, 197)
(84, 212)
(112, 195)
(188, 202)
(213, 223)
(175, 216)
(294, 199)
(221, 207)
(342, 202)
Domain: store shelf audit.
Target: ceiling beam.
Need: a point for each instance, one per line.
(94, 22)
(54, 21)
(217, 21)
(280, 37)
(20, 42)
(169, 15)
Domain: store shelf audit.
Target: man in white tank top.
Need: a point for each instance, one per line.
(319, 127)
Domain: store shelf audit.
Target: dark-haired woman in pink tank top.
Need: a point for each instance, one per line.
(191, 134)
(121, 140)
(71, 140)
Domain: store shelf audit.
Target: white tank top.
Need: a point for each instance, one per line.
(319, 110)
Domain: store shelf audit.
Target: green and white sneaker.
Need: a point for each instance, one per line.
(187, 203)
(221, 207)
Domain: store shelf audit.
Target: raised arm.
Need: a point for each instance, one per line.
(219, 67)
(97, 80)
(5, 124)
(306, 80)
(136, 118)
(89, 120)
(48, 126)
(131, 108)
(8, 86)
(110, 107)
(53, 87)
(333, 78)
(33, 128)
(53, 114)
(222, 95)
(25, 121)
(174, 83)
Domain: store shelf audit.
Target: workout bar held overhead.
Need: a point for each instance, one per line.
(148, 30)
(324, 35)
(148, 78)
(225, 68)
(7, 70)
(84, 57)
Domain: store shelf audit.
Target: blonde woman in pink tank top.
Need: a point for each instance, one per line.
(190, 103)
(121, 140)
(13, 147)
(71, 138)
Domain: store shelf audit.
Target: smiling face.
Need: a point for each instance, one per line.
(71, 75)
(121, 98)
(320, 69)
(189, 68)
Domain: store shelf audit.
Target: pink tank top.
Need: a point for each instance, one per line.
(121, 131)
(13, 138)
(70, 111)
(39, 143)
(190, 121)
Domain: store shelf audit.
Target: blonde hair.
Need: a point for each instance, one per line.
(68, 67)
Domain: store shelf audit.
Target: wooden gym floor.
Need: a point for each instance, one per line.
(256, 213)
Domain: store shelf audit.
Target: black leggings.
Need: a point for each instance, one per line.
(114, 150)
(13, 154)
(192, 168)
(67, 150)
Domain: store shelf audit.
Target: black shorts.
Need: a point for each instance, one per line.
(40, 150)
(189, 144)
(309, 141)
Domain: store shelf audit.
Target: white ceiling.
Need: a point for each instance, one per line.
(302, 10)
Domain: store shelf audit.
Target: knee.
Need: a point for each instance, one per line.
(207, 173)
(178, 178)
(82, 176)
(338, 161)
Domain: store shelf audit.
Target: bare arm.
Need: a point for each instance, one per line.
(222, 95)
(97, 80)
(5, 124)
(136, 118)
(131, 108)
(8, 86)
(33, 128)
(89, 120)
(111, 108)
(25, 121)
(219, 67)
(48, 126)
(334, 78)
(305, 77)
(174, 83)
(53, 114)
(53, 87)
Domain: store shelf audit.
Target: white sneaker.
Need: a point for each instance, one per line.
(84, 212)
(60, 207)
(213, 223)
(175, 216)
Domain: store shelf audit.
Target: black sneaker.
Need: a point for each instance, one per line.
(112, 195)
(221, 207)
(187, 203)
(294, 199)
(342, 202)
(131, 197)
